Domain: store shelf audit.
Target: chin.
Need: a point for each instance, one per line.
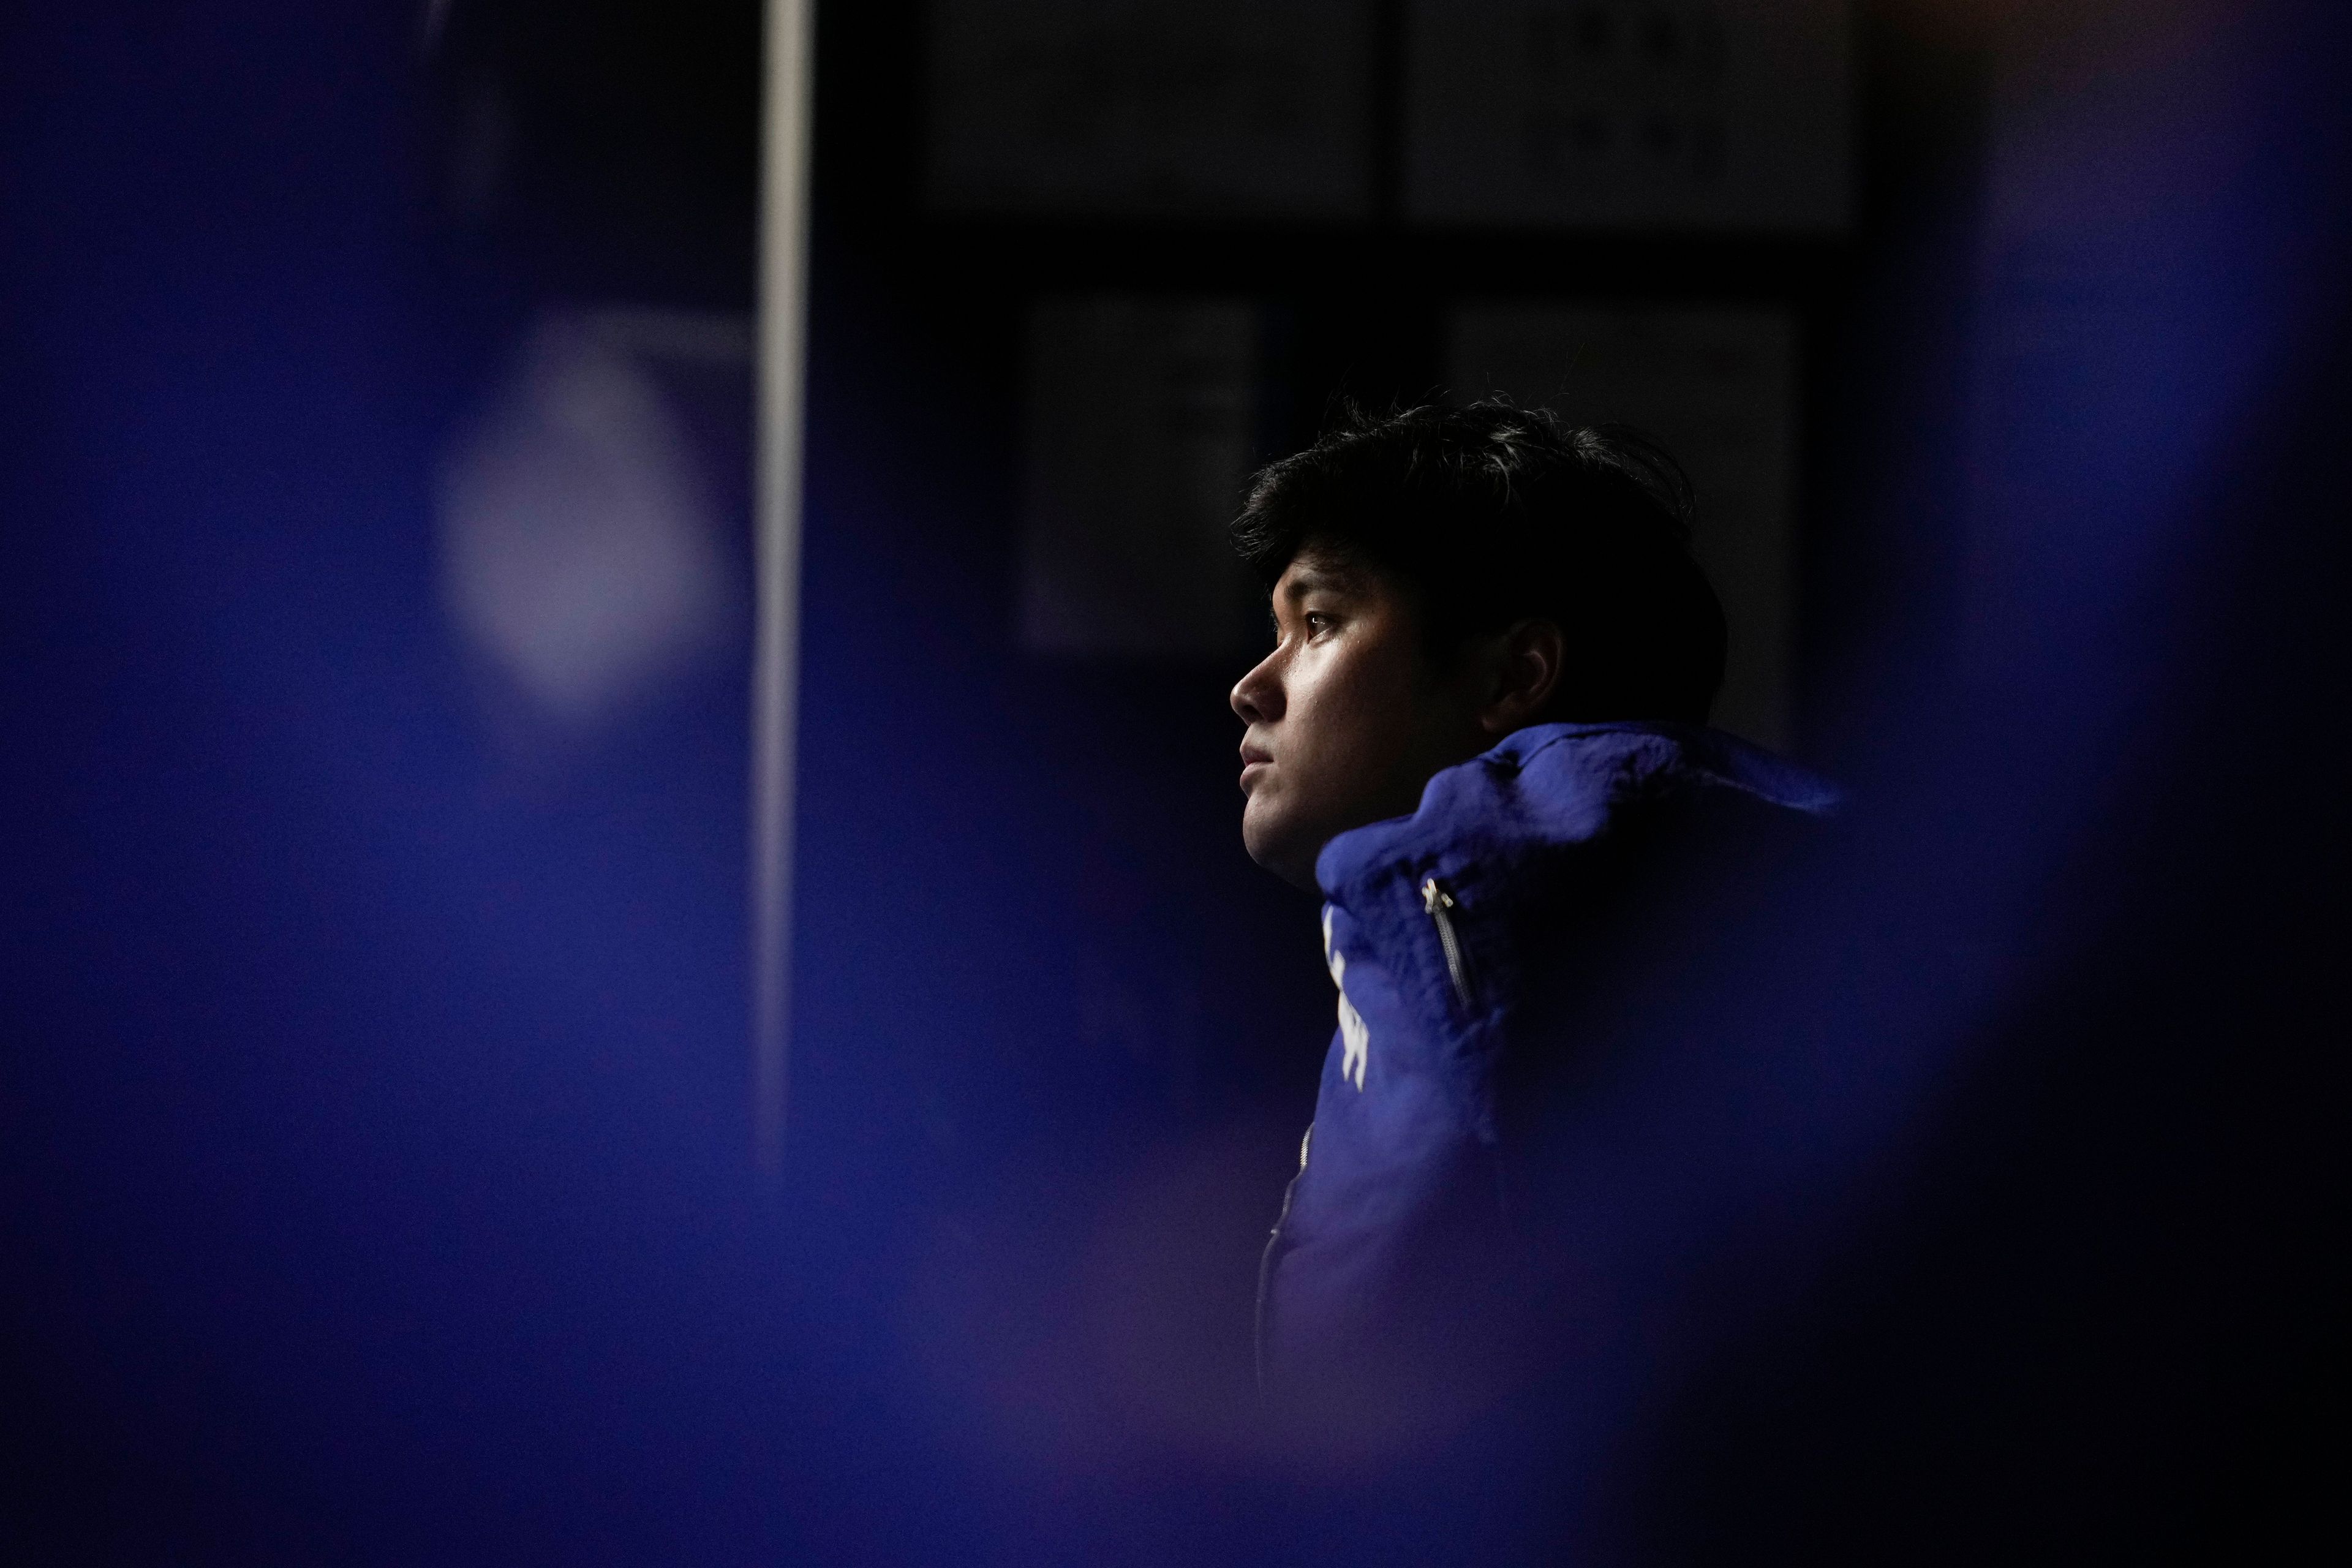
(1254, 838)
(1261, 833)
(1279, 847)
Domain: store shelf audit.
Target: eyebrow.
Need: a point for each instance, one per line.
(1334, 578)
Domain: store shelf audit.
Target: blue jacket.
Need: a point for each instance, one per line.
(1464, 939)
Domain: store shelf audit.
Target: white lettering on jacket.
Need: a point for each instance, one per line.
(1355, 1040)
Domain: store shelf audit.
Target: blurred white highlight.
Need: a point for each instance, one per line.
(582, 556)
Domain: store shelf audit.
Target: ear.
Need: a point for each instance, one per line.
(1524, 668)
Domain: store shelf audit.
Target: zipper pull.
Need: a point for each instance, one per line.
(1439, 905)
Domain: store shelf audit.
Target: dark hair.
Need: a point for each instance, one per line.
(1497, 513)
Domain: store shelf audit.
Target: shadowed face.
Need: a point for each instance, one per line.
(1348, 717)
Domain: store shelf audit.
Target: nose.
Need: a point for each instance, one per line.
(1257, 696)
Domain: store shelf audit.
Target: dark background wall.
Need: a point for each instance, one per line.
(377, 1159)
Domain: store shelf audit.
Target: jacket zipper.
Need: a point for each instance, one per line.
(1440, 906)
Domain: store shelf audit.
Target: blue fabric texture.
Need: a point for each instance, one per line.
(1446, 932)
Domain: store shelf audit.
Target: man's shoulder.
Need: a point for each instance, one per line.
(1507, 814)
(1573, 764)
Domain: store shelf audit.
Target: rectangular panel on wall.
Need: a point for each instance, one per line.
(1151, 108)
(1718, 387)
(1142, 426)
(1682, 114)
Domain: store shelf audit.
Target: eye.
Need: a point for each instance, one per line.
(1317, 622)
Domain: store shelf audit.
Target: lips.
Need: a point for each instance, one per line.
(1254, 759)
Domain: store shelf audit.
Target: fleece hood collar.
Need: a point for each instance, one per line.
(1547, 788)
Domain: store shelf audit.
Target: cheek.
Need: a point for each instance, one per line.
(1364, 706)
(1345, 716)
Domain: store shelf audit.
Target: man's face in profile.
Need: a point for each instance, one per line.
(1348, 717)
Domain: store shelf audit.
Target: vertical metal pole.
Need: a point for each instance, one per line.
(782, 382)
